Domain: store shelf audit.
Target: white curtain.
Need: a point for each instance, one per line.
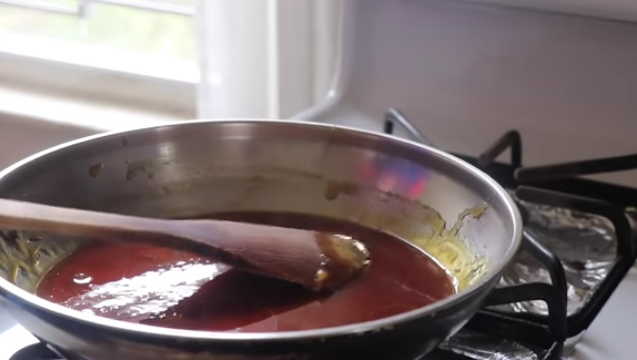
(265, 58)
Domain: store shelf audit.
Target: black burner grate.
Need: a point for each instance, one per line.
(37, 351)
(555, 185)
(559, 186)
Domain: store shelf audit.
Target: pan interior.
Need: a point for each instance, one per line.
(440, 205)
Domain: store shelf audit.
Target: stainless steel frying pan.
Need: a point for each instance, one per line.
(200, 167)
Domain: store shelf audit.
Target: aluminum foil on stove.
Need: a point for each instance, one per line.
(479, 346)
(585, 243)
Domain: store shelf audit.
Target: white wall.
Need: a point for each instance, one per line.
(466, 72)
(21, 136)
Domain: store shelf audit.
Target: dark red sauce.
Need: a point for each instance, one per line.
(178, 289)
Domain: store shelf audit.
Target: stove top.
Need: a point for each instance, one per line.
(37, 351)
(578, 246)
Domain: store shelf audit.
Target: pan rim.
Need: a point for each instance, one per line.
(510, 208)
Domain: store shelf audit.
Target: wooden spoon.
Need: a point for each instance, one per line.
(316, 260)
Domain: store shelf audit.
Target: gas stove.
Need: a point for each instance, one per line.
(469, 74)
(466, 74)
(579, 243)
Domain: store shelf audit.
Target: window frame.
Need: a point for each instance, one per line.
(301, 38)
(96, 83)
(277, 66)
(34, 72)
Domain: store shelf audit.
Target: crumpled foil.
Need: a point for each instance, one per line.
(479, 346)
(586, 245)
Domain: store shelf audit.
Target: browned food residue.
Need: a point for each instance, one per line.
(446, 246)
(95, 170)
(334, 188)
(344, 259)
(144, 167)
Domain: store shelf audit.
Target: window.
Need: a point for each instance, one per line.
(152, 37)
(141, 51)
(259, 58)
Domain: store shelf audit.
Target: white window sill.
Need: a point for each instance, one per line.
(82, 113)
(31, 122)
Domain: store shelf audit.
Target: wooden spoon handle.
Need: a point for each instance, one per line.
(315, 260)
(93, 225)
(20, 215)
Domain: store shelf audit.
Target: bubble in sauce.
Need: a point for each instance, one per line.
(82, 279)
